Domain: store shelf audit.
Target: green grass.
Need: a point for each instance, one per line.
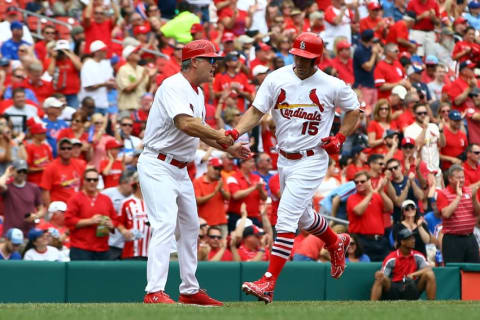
(351, 310)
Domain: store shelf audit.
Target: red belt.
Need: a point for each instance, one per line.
(173, 162)
(296, 155)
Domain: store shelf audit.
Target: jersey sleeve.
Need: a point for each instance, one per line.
(264, 98)
(379, 76)
(330, 15)
(442, 201)
(174, 101)
(388, 266)
(233, 185)
(47, 178)
(71, 215)
(346, 98)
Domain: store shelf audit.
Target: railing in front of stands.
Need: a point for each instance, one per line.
(41, 19)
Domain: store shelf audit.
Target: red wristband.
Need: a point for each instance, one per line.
(234, 133)
(341, 137)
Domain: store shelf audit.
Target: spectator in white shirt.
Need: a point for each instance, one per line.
(97, 76)
(37, 248)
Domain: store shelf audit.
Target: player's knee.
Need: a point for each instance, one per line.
(429, 275)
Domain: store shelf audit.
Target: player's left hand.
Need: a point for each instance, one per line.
(333, 144)
(239, 150)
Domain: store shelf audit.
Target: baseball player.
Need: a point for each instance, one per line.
(175, 124)
(302, 100)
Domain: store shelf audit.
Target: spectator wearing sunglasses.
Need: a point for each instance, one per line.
(218, 245)
(22, 200)
(401, 186)
(471, 166)
(90, 216)
(62, 177)
(413, 221)
(365, 211)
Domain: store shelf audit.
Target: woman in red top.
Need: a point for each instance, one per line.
(382, 118)
(467, 49)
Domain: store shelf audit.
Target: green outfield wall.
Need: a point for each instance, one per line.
(124, 281)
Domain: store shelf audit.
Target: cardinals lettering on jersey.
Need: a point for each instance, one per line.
(286, 109)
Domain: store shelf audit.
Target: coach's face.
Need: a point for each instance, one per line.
(205, 68)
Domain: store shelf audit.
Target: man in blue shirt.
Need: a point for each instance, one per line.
(264, 165)
(10, 47)
(53, 109)
(9, 249)
(365, 57)
(473, 17)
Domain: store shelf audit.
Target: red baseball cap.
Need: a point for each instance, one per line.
(460, 20)
(264, 47)
(143, 29)
(196, 27)
(373, 5)
(343, 45)
(228, 36)
(408, 140)
(215, 162)
(199, 48)
(37, 128)
(113, 144)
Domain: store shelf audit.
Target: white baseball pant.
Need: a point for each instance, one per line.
(172, 210)
(299, 179)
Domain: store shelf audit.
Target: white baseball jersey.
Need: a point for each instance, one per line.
(303, 110)
(134, 217)
(175, 96)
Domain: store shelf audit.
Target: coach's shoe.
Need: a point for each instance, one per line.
(157, 297)
(200, 298)
(262, 289)
(337, 255)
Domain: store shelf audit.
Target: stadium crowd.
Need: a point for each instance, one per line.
(75, 102)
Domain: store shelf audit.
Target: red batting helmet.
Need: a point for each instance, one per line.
(307, 45)
(199, 48)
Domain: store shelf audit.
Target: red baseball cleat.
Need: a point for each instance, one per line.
(157, 297)
(200, 298)
(262, 289)
(337, 255)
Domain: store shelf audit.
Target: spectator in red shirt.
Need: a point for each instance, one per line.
(253, 246)
(365, 211)
(275, 194)
(263, 56)
(343, 62)
(90, 217)
(405, 273)
(473, 117)
(382, 119)
(245, 186)
(398, 33)
(459, 208)
(455, 141)
(218, 246)
(406, 115)
(49, 33)
(64, 68)
(467, 49)
(62, 177)
(471, 166)
(374, 21)
(389, 72)
(140, 116)
(211, 194)
(99, 27)
(427, 16)
(234, 81)
(359, 162)
(42, 89)
(459, 90)
(39, 153)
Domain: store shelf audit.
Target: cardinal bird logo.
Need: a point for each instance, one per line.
(281, 97)
(314, 98)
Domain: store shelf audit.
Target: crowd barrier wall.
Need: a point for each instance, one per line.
(124, 281)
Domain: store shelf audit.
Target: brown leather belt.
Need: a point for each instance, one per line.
(173, 162)
(296, 155)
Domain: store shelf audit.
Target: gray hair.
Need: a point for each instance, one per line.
(454, 168)
(187, 64)
(389, 47)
